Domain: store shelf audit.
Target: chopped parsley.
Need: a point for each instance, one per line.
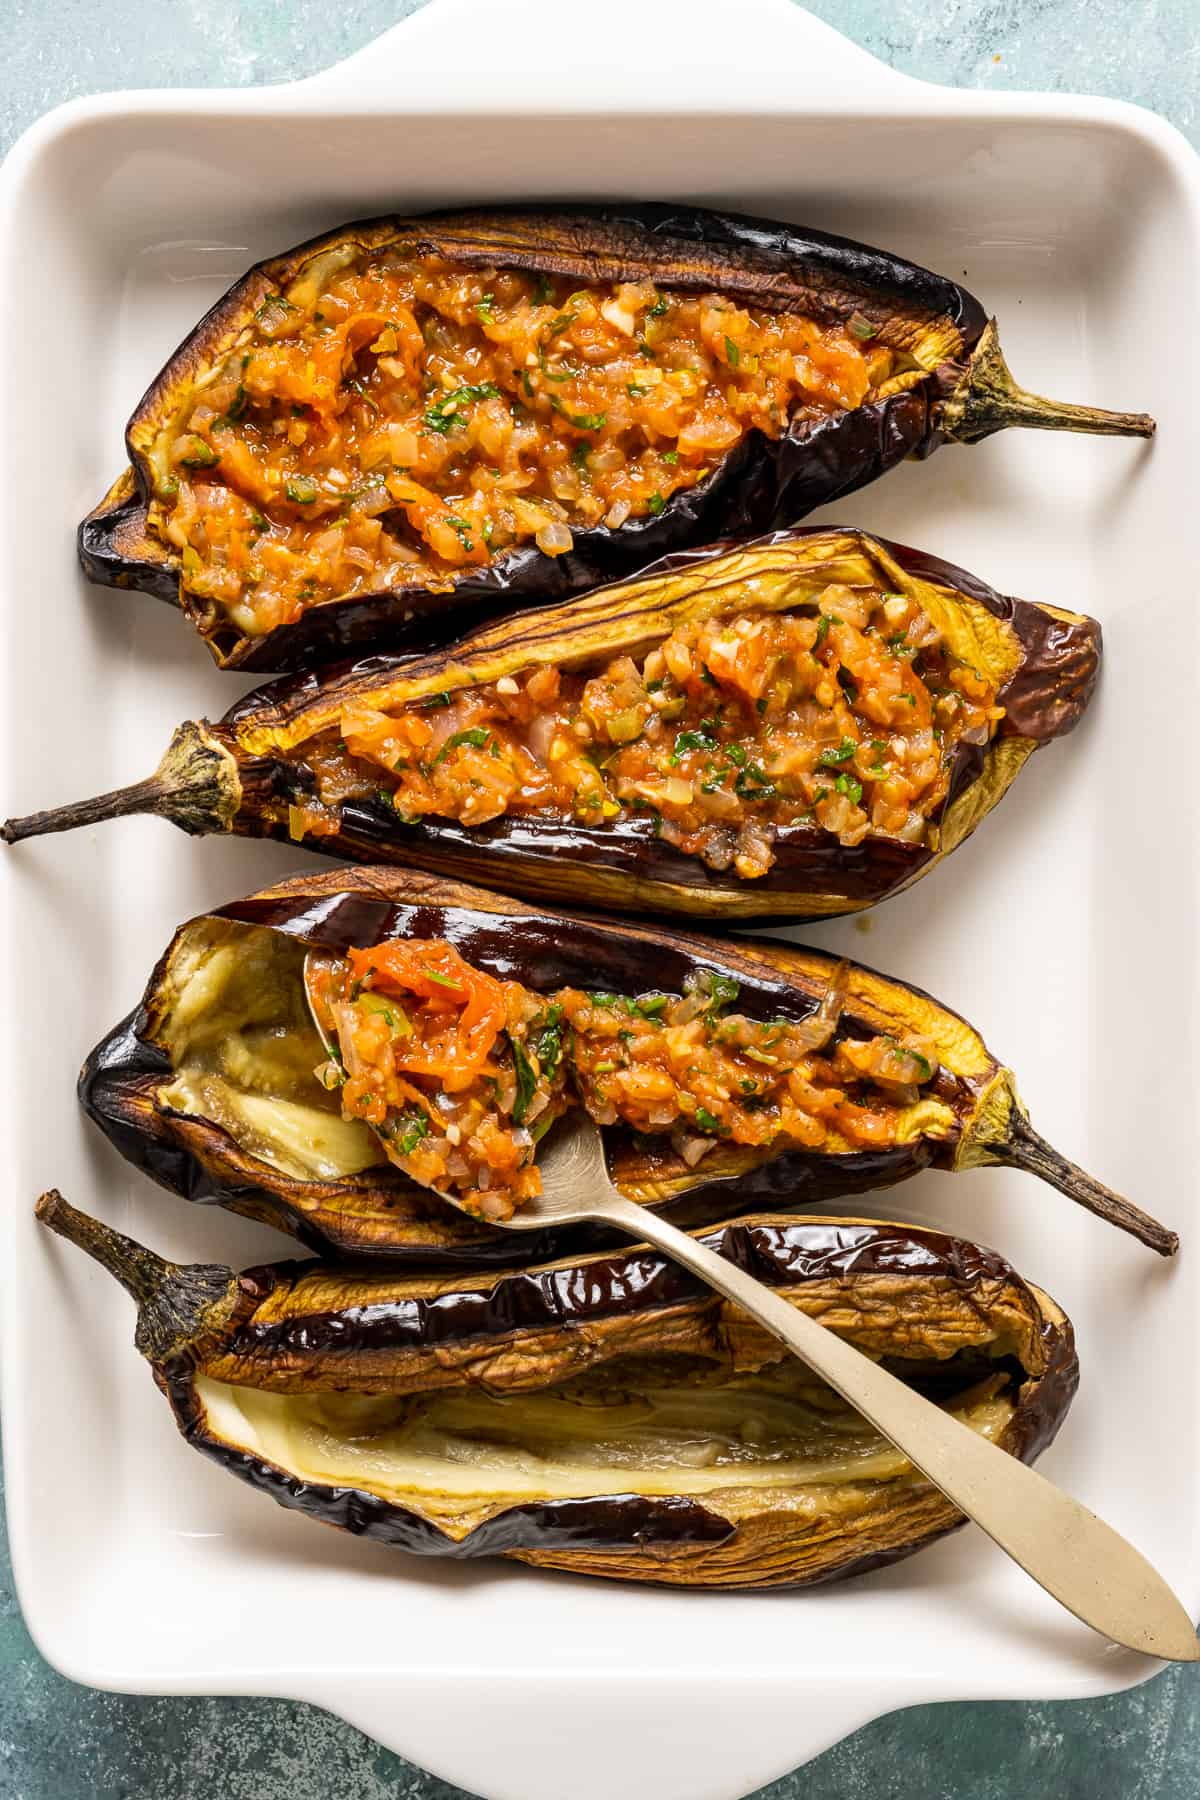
(843, 752)
(201, 455)
(548, 1043)
(443, 415)
(526, 1079)
(442, 980)
(273, 308)
(476, 737)
(753, 783)
(650, 1005)
(408, 1131)
(692, 740)
(582, 421)
(718, 991)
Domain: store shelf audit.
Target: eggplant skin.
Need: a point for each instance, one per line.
(381, 1213)
(763, 484)
(302, 1328)
(1047, 662)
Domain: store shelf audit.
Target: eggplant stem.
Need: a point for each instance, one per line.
(141, 797)
(178, 1306)
(1025, 1148)
(988, 399)
(196, 786)
(140, 1271)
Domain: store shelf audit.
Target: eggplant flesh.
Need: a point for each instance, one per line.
(768, 1442)
(607, 1414)
(244, 1049)
(210, 1087)
(952, 384)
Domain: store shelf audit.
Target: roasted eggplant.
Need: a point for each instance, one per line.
(606, 1415)
(216, 1084)
(787, 730)
(410, 423)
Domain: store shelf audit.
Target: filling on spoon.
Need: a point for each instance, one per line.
(460, 1074)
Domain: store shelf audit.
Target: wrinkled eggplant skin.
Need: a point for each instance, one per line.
(104, 558)
(603, 1287)
(763, 484)
(545, 951)
(628, 1283)
(546, 857)
(1049, 693)
(561, 858)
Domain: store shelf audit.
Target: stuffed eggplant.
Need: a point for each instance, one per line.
(410, 422)
(791, 729)
(605, 1415)
(458, 1025)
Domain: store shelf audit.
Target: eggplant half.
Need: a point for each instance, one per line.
(409, 424)
(876, 706)
(211, 1084)
(605, 1415)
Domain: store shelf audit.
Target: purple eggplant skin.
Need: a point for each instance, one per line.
(246, 772)
(379, 1212)
(311, 1329)
(961, 390)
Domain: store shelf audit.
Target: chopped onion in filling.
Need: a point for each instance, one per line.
(407, 421)
(460, 1074)
(846, 719)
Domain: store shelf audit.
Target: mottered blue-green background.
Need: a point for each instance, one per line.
(62, 1742)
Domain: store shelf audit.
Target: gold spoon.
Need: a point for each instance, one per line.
(1086, 1565)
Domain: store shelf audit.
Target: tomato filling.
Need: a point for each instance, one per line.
(457, 1073)
(460, 1075)
(846, 717)
(412, 421)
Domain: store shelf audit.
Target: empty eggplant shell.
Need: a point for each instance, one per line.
(605, 1415)
(945, 380)
(209, 1086)
(254, 771)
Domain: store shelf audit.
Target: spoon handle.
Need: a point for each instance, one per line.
(1075, 1556)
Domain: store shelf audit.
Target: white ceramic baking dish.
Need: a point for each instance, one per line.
(1065, 929)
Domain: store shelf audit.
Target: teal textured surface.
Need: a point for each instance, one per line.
(62, 1742)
